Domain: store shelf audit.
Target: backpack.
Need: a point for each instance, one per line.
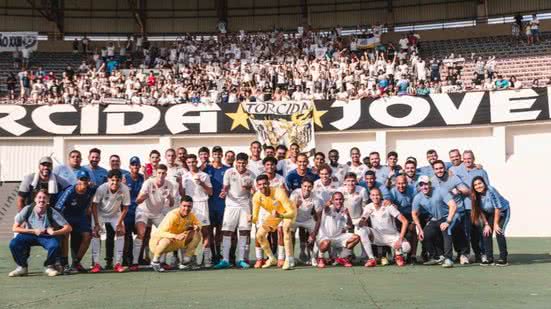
(49, 217)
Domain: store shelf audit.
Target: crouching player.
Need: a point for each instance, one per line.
(276, 203)
(179, 229)
(383, 230)
(332, 231)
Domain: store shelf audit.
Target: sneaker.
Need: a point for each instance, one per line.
(502, 262)
(343, 261)
(484, 259)
(157, 267)
(464, 260)
(134, 267)
(287, 265)
(243, 264)
(478, 258)
(109, 265)
(51, 271)
(280, 263)
(18, 272)
(78, 267)
(119, 268)
(222, 264)
(67, 270)
(371, 263)
(400, 260)
(384, 261)
(166, 266)
(447, 263)
(486, 263)
(434, 261)
(96, 268)
(271, 261)
(207, 263)
(303, 257)
(321, 263)
(413, 260)
(314, 262)
(259, 263)
(184, 266)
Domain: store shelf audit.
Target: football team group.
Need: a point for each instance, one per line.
(197, 211)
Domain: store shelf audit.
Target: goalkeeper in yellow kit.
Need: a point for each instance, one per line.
(280, 208)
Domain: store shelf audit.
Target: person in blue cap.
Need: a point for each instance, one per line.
(134, 181)
(73, 205)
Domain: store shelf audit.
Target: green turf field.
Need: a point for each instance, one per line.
(526, 283)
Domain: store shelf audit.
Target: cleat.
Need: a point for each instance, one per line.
(259, 263)
(303, 257)
(314, 262)
(487, 263)
(134, 267)
(119, 268)
(67, 270)
(18, 272)
(343, 261)
(109, 265)
(157, 267)
(222, 264)
(288, 265)
(96, 268)
(463, 260)
(166, 266)
(371, 263)
(243, 264)
(447, 263)
(384, 261)
(400, 260)
(321, 263)
(79, 268)
(271, 261)
(502, 262)
(51, 271)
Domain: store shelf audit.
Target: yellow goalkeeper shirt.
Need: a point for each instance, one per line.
(277, 201)
(174, 224)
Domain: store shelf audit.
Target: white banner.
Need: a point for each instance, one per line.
(11, 41)
(369, 42)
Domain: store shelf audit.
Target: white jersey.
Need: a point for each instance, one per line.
(277, 182)
(175, 172)
(382, 219)
(355, 201)
(324, 193)
(306, 207)
(333, 223)
(358, 170)
(192, 187)
(237, 195)
(285, 166)
(338, 172)
(157, 197)
(109, 203)
(255, 166)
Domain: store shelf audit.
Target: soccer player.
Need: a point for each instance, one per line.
(281, 152)
(326, 185)
(174, 172)
(216, 171)
(197, 185)
(383, 230)
(148, 169)
(98, 175)
(204, 157)
(331, 231)
(73, 205)
(294, 178)
(307, 206)
(319, 160)
(229, 158)
(109, 207)
(356, 166)
(238, 185)
(37, 225)
(179, 230)
(355, 197)
(284, 166)
(493, 210)
(441, 206)
(68, 172)
(280, 209)
(338, 170)
(134, 181)
(255, 162)
(43, 179)
(269, 151)
(182, 153)
(156, 194)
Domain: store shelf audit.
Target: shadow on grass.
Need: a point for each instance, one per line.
(526, 259)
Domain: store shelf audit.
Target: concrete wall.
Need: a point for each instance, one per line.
(509, 153)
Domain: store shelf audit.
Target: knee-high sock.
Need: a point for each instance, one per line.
(288, 242)
(96, 250)
(259, 253)
(366, 242)
(136, 250)
(243, 244)
(226, 246)
(207, 256)
(280, 252)
(261, 237)
(119, 248)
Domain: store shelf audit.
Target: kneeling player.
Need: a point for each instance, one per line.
(383, 230)
(307, 205)
(276, 203)
(332, 231)
(179, 229)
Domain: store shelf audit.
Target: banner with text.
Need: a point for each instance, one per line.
(10, 41)
(438, 110)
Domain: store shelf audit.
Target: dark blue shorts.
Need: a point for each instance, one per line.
(80, 224)
(216, 215)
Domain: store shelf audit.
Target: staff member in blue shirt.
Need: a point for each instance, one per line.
(74, 205)
(293, 180)
(134, 181)
(493, 209)
(442, 208)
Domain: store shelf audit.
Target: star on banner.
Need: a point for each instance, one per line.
(239, 118)
(316, 114)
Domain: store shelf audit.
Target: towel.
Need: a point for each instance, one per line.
(52, 183)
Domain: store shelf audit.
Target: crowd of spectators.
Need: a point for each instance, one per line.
(277, 66)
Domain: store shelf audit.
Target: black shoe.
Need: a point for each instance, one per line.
(108, 265)
(486, 263)
(477, 259)
(502, 262)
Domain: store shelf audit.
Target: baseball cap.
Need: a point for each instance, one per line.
(44, 160)
(83, 174)
(423, 179)
(135, 160)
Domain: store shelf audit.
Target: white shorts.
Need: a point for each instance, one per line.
(338, 241)
(106, 220)
(148, 218)
(309, 225)
(236, 217)
(381, 239)
(201, 211)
